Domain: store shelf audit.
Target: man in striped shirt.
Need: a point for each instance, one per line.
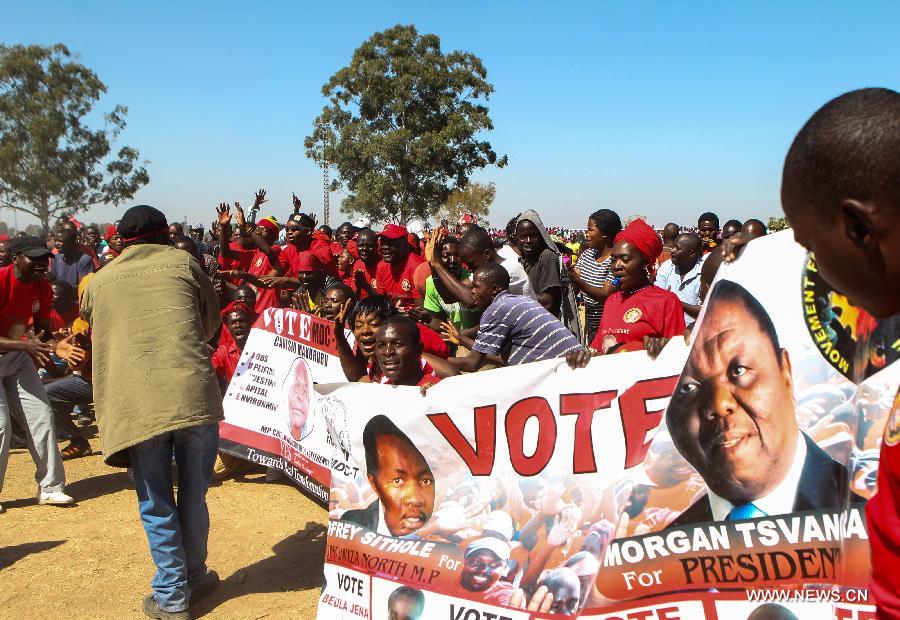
(516, 329)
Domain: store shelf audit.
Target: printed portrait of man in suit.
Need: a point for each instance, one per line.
(732, 417)
(400, 476)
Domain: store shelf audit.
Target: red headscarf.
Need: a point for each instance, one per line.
(269, 223)
(111, 231)
(639, 234)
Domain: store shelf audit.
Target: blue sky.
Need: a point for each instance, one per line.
(655, 108)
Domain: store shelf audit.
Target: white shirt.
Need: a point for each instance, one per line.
(778, 502)
(687, 289)
(519, 284)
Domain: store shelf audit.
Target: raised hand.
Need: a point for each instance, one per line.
(542, 600)
(296, 202)
(223, 212)
(239, 215)
(259, 199)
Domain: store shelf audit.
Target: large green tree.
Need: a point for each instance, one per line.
(474, 198)
(51, 162)
(404, 125)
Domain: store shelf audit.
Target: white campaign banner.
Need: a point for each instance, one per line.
(272, 416)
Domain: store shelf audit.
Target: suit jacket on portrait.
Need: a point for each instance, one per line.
(366, 517)
(823, 486)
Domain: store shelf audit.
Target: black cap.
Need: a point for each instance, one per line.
(30, 246)
(142, 221)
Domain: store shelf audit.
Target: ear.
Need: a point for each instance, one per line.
(859, 225)
(786, 373)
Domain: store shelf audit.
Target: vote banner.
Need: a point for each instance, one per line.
(272, 412)
(726, 479)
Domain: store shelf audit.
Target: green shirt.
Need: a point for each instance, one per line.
(461, 316)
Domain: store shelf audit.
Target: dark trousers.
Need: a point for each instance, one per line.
(64, 395)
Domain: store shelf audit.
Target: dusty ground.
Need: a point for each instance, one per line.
(91, 561)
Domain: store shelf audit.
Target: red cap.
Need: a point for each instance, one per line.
(238, 306)
(392, 231)
(307, 261)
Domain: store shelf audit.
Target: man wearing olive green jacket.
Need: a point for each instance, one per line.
(151, 312)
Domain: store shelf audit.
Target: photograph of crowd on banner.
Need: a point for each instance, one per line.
(531, 494)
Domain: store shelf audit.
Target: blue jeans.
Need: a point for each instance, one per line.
(176, 529)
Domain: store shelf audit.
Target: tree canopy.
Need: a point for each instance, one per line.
(474, 198)
(51, 162)
(403, 125)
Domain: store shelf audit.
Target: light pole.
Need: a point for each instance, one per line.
(325, 205)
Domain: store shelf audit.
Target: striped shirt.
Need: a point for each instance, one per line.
(595, 274)
(520, 330)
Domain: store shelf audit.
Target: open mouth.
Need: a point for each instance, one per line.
(413, 522)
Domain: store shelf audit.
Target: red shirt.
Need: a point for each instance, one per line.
(369, 272)
(242, 262)
(428, 374)
(225, 360)
(628, 317)
(883, 512)
(321, 251)
(397, 281)
(432, 341)
(20, 303)
(259, 267)
(60, 321)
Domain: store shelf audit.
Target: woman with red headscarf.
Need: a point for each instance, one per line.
(638, 309)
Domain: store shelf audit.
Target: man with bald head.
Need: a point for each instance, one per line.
(681, 274)
(732, 417)
(754, 228)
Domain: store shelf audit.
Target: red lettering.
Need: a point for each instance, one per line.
(479, 460)
(667, 613)
(516, 417)
(637, 421)
(842, 613)
(584, 406)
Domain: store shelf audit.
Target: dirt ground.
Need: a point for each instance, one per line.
(266, 542)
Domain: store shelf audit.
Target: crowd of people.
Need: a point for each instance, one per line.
(84, 314)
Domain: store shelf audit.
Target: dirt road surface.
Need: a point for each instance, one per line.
(266, 541)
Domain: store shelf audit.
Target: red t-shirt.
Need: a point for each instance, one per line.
(225, 360)
(259, 267)
(432, 341)
(61, 321)
(321, 251)
(883, 512)
(242, 262)
(628, 317)
(398, 282)
(369, 272)
(20, 303)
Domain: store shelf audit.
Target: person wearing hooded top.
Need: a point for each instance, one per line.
(638, 309)
(541, 260)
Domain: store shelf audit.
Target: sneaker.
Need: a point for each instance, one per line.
(152, 610)
(207, 585)
(55, 498)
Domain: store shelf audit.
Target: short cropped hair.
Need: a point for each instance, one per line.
(607, 221)
(495, 274)
(413, 594)
(850, 148)
(726, 290)
(381, 425)
(478, 239)
(708, 216)
(408, 324)
(373, 304)
(346, 290)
